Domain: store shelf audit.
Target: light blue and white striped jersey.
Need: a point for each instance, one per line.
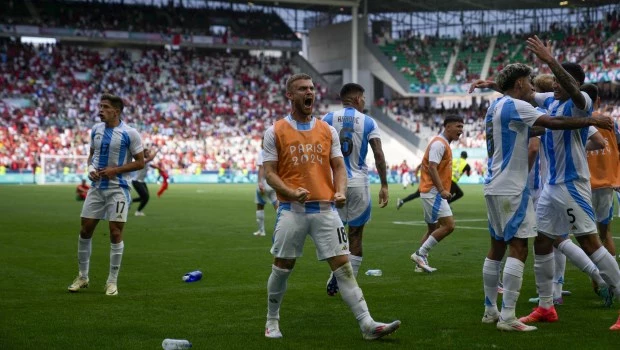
(565, 150)
(508, 123)
(356, 130)
(114, 147)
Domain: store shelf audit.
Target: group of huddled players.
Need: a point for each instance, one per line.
(570, 190)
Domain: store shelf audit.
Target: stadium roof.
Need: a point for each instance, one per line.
(385, 6)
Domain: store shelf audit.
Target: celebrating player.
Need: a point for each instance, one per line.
(304, 164)
(357, 131)
(434, 189)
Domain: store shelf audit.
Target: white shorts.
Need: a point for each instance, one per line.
(566, 208)
(356, 211)
(268, 195)
(511, 216)
(603, 204)
(322, 224)
(107, 204)
(435, 208)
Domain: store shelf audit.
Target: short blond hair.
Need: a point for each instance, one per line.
(543, 83)
(295, 77)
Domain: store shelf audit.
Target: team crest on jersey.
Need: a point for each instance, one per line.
(98, 137)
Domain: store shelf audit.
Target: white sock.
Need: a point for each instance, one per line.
(513, 279)
(356, 262)
(558, 274)
(428, 245)
(608, 267)
(84, 250)
(352, 295)
(260, 220)
(490, 280)
(544, 267)
(579, 258)
(116, 255)
(276, 287)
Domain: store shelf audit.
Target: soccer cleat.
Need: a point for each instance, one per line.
(332, 285)
(399, 203)
(616, 326)
(78, 284)
(514, 326)
(556, 301)
(272, 329)
(139, 213)
(607, 294)
(259, 233)
(418, 269)
(490, 317)
(422, 262)
(111, 289)
(540, 314)
(378, 330)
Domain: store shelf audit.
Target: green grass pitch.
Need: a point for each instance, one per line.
(209, 227)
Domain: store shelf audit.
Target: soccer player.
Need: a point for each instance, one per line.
(511, 214)
(405, 178)
(140, 186)
(563, 246)
(603, 179)
(434, 189)
(264, 193)
(163, 174)
(357, 131)
(294, 148)
(459, 168)
(113, 144)
(565, 204)
(81, 191)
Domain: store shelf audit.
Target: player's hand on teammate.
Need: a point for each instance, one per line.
(543, 51)
(340, 199)
(107, 173)
(482, 84)
(384, 197)
(603, 122)
(301, 195)
(445, 194)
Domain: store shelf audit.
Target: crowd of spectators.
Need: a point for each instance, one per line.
(202, 110)
(171, 17)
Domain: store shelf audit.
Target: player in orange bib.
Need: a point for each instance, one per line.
(604, 165)
(304, 164)
(435, 185)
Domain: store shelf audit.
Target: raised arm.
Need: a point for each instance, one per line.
(570, 123)
(377, 151)
(544, 53)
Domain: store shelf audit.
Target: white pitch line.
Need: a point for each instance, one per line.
(411, 223)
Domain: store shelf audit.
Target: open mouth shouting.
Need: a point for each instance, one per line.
(308, 102)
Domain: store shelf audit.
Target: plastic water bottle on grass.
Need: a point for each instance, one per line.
(176, 344)
(192, 276)
(374, 273)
